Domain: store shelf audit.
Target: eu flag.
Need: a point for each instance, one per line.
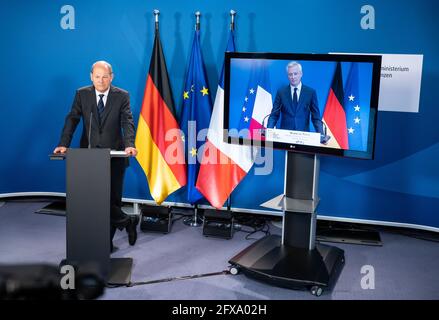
(195, 116)
(256, 100)
(354, 119)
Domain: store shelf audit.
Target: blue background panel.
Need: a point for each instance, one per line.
(42, 64)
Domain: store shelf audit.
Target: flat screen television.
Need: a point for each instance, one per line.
(315, 103)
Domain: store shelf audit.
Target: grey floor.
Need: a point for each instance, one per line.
(405, 268)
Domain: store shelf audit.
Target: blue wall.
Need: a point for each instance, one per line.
(41, 65)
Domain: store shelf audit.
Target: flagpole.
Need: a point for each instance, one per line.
(197, 23)
(232, 20)
(232, 28)
(156, 13)
(195, 221)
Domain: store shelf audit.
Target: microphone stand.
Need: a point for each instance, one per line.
(263, 130)
(324, 138)
(89, 130)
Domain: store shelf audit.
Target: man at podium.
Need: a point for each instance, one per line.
(295, 102)
(108, 123)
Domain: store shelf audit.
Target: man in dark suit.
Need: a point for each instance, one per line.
(296, 102)
(108, 108)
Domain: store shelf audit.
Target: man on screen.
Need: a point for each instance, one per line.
(107, 109)
(296, 102)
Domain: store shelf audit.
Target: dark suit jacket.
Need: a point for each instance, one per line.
(296, 118)
(117, 128)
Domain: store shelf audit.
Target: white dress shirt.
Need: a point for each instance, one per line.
(299, 88)
(104, 98)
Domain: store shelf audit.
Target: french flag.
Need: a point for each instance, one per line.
(223, 165)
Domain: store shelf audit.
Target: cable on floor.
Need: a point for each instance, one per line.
(196, 276)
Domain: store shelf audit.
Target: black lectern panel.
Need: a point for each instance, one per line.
(88, 207)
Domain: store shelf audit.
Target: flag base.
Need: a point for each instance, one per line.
(193, 221)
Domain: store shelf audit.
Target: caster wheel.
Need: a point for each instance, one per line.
(316, 291)
(233, 270)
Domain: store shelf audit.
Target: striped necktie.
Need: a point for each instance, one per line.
(101, 106)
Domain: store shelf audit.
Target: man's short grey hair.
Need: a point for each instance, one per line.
(294, 64)
(102, 62)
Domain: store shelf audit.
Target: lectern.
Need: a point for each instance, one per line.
(88, 185)
(294, 260)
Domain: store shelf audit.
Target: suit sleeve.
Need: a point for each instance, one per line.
(127, 122)
(315, 113)
(71, 122)
(275, 111)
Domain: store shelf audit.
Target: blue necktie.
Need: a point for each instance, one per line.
(101, 106)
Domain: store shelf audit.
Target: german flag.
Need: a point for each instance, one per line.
(334, 116)
(158, 138)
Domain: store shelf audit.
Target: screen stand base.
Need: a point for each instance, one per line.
(294, 260)
(291, 267)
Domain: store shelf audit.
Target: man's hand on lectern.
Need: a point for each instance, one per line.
(131, 151)
(60, 150)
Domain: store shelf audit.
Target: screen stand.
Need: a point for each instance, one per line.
(294, 260)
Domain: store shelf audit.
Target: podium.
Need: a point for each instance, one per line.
(294, 260)
(88, 185)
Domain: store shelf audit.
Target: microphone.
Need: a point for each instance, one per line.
(324, 138)
(89, 130)
(273, 111)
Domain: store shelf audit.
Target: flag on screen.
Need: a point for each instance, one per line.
(257, 102)
(158, 139)
(353, 109)
(195, 115)
(218, 178)
(334, 116)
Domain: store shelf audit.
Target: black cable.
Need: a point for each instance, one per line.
(133, 284)
(182, 215)
(258, 224)
(266, 232)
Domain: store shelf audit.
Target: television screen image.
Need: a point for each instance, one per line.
(317, 103)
